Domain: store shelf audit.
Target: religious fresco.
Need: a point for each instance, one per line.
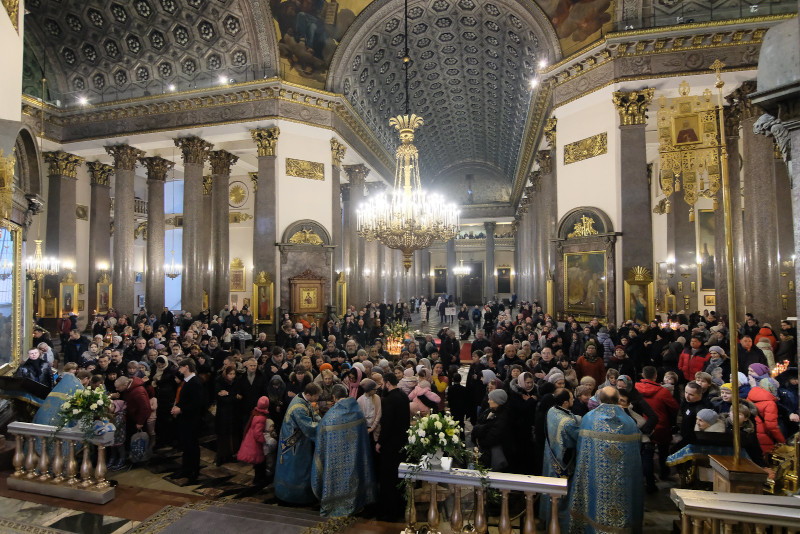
(585, 283)
(578, 22)
(308, 33)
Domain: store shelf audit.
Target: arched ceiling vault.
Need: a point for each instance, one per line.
(107, 50)
(471, 66)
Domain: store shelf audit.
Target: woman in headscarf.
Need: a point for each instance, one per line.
(276, 391)
(228, 437)
(352, 380)
(162, 378)
(522, 406)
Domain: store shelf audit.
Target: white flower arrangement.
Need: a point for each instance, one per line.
(435, 432)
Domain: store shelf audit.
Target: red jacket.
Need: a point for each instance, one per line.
(767, 420)
(663, 403)
(766, 333)
(691, 365)
(596, 369)
(251, 450)
(137, 402)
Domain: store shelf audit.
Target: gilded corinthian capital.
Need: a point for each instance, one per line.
(337, 152)
(157, 167)
(221, 161)
(266, 139)
(63, 164)
(100, 173)
(194, 149)
(550, 131)
(125, 156)
(632, 106)
(357, 173)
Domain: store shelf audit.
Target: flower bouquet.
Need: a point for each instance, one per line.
(432, 437)
(85, 409)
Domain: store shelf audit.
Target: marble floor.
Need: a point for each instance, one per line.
(60, 519)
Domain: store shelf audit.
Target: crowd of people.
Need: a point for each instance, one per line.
(532, 385)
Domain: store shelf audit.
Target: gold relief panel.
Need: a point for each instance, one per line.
(12, 8)
(82, 212)
(590, 147)
(236, 217)
(305, 169)
(305, 236)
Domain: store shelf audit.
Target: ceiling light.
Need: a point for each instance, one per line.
(223, 80)
(534, 83)
(171, 87)
(82, 100)
(542, 63)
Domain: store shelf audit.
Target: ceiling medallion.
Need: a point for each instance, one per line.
(237, 194)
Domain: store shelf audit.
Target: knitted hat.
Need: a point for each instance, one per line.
(767, 384)
(408, 372)
(424, 384)
(555, 377)
(498, 396)
(727, 386)
(759, 369)
(718, 350)
(325, 366)
(368, 385)
(681, 340)
(708, 415)
(146, 365)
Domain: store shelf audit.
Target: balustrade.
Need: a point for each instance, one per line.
(58, 476)
(708, 512)
(460, 479)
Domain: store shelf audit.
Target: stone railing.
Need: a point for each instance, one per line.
(457, 479)
(58, 476)
(139, 207)
(724, 513)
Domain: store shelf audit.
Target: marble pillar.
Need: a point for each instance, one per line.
(221, 161)
(122, 278)
(786, 252)
(489, 282)
(99, 225)
(357, 175)
(762, 274)
(636, 218)
(347, 226)
(417, 269)
(157, 168)
(265, 228)
(452, 262)
(207, 249)
(391, 280)
(337, 154)
(195, 152)
(426, 289)
(60, 239)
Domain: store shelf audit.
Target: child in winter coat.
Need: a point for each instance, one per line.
(408, 382)
(763, 396)
(423, 400)
(252, 449)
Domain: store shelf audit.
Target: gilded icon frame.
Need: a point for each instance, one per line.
(104, 294)
(263, 300)
(14, 358)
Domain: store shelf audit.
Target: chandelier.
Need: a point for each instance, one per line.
(172, 269)
(408, 219)
(38, 266)
(462, 270)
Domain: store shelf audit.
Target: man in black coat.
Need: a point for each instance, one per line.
(450, 350)
(75, 347)
(395, 420)
(249, 387)
(190, 405)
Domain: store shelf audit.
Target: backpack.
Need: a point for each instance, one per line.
(140, 448)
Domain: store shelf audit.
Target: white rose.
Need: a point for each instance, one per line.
(441, 435)
(455, 438)
(425, 441)
(438, 425)
(66, 406)
(443, 441)
(76, 411)
(93, 407)
(99, 402)
(85, 392)
(412, 440)
(421, 433)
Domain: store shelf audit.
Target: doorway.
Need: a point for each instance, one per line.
(472, 284)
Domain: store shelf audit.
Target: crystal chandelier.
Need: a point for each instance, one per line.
(38, 266)
(409, 219)
(172, 269)
(461, 269)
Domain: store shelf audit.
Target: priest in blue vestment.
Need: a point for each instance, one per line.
(606, 493)
(296, 448)
(343, 478)
(559, 451)
(47, 414)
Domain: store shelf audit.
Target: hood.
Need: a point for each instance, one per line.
(758, 394)
(766, 332)
(136, 382)
(648, 388)
(602, 336)
(764, 344)
(263, 404)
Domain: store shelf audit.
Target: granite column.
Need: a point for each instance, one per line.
(157, 168)
(195, 152)
(489, 282)
(452, 262)
(99, 226)
(337, 155)
(357, 175)
(61, 227)
(221, 161)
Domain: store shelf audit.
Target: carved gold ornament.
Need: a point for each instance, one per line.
(100, 173)
(305, 169)
(237, 194)
(194, 149)
(590, 147)
(337, 152)
(125, 156)
(237, 263)
(583, 228)
(550, 131)
(82, 212)
(254, 179)
(639, 274)
(12, 8)
(266, 139)
(262, 279)
(305, 236)
(64, 164)
(632, 105)
(7, 164)
(237, 217)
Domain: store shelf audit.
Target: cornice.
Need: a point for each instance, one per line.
(531, 139)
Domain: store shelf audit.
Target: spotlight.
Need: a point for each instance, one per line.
(82, 100)
(542, 63)
(171, 87)
(534, 82)
(223, 80)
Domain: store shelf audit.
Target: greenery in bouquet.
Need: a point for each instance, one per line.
(83, 408)
(398, 330)
(427, 435)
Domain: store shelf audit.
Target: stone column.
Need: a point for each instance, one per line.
(265, 214)
(636, 218)
(348, 226)
(762, 274)
(157, 168)
(60, 239)
(417, 272)
(357, 175)
(785, 237)
(122, 278)
(337, 155)
(452, 262)
(207, 249)
(221, 161)
(195, 152)
(380, 273)
(99, 228)
(489, 282)
(391, 285)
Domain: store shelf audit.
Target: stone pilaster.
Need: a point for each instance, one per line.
(60, 240)
(357, 175)
(636, 224)
(157, 168)
(490, 281)
(337, 155)
(265, 230)
(99, 225)
(195, 152)
(122, 277)
(452, 263)
(221, 162)
(380, 273)
(426, 273)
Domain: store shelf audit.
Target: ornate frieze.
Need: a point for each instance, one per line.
(63, 164)
(266, 139)
(632, 105)
(305, 169)
(125, 156)
(100, 173)
(157, 167)
(550, 131)
(194, 149)
(586, 148)
(337, 152)
(207, 185)
(254, 179)
(545, 161)
(221, 161)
